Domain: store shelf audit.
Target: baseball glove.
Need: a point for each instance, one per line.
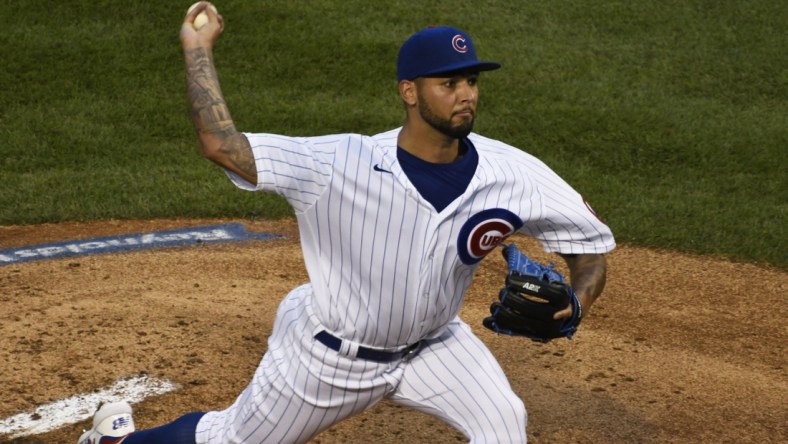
(533, 294)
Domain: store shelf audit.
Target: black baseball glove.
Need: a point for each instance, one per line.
(532, 295)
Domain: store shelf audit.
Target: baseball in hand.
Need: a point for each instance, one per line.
(202, 18)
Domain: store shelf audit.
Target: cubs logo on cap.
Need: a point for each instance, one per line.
(458, 42)
(438, 50)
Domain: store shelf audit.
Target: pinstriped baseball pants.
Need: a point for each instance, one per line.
(301, 387)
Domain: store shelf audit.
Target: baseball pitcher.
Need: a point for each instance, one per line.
(393, 227)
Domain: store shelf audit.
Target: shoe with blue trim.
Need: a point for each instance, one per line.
(111, 424)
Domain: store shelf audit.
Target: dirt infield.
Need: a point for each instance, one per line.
(680, 349)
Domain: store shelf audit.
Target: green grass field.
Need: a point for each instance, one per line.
(670, 117)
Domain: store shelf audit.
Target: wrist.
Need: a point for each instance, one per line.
(189, 45)
(585, 301)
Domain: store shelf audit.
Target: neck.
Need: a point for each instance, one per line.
(428, 144)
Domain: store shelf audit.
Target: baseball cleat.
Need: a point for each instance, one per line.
(111, 424)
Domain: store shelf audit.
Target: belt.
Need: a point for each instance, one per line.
(370, 354)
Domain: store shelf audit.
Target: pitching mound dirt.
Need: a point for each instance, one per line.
(680, 349)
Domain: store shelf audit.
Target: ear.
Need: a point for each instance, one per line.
(407, 92)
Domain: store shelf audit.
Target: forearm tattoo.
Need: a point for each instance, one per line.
(588, 273)
(210, 114)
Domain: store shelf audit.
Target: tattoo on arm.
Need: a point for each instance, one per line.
(588, 273)
(208, 109)
(238, 152)
(211, 117)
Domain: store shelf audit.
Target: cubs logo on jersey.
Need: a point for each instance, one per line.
(484, 231)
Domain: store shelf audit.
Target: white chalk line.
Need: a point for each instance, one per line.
(80, 407)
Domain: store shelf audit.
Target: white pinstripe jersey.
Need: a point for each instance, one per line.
(386, 268)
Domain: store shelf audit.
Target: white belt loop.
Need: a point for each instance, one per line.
(349, 349)
(316, 329)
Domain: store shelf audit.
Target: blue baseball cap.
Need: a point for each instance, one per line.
(438, 50)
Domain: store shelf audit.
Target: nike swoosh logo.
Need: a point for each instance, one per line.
(378, 168)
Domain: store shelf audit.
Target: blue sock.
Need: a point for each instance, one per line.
(180, 431)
